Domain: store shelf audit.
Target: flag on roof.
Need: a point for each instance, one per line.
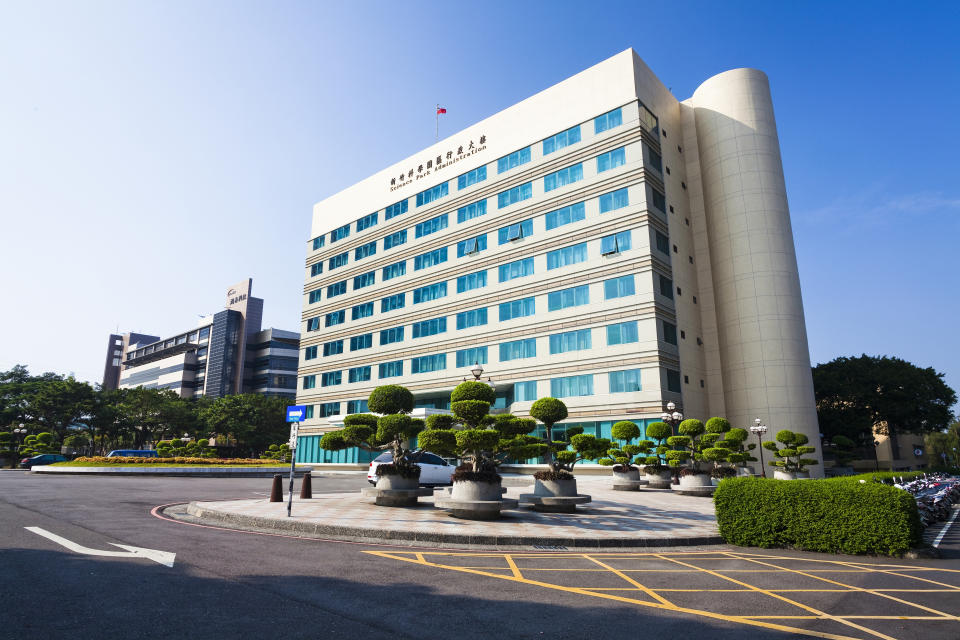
(441, 110)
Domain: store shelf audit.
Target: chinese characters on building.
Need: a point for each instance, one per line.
(441, 161)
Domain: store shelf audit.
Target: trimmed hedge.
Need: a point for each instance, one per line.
(129, 460)
(838, 515)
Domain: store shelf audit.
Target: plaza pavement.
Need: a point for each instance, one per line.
(614, 519)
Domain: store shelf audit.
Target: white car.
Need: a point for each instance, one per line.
(434, 470)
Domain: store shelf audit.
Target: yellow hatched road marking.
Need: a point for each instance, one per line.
(849, 586)
(650, 592)
(901, 575)
(785, 599)
(513, 567)
(609, 596)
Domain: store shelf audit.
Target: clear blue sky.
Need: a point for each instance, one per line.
(153, 153)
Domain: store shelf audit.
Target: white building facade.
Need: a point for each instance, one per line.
(599, 242)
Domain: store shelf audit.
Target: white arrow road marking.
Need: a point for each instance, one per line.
(162, 557)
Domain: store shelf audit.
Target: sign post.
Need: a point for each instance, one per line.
(295, 413)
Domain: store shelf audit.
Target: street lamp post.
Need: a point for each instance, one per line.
(758, 429)
(673, 417)
(19, 431)
(876, 454)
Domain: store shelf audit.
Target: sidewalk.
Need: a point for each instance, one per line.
(615, 519)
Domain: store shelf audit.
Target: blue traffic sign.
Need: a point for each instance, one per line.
(296, 413)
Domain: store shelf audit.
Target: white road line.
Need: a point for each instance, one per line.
(163, 557)
(946, 527)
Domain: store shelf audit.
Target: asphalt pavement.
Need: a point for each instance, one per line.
(228, 584)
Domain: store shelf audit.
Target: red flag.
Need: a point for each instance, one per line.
(441, 110)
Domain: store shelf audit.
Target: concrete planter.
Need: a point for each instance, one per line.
(803, 474)
(633, 475)
(397, 483)
(745, 472)
(473, 490)
(697, 480)
(784, 475)
(555, 488)
(474, 500)
(659, 480)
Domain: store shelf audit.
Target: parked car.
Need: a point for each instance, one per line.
(133, 453)
(434, 470)
(43, 458)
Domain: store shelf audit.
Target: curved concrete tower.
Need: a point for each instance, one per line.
(764, 360)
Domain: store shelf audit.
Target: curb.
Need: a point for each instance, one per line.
(305, 529)
(183, 472)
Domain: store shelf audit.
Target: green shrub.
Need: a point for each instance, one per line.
(839, 515)
(473, 390)
(390, 398)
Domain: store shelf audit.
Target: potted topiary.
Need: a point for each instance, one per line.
(738, 454)
(481, 442)
(688, 448)
(718, 453)
(390, 431)
(555, 489)
(622, 459)
(657, 472)
(789, 461)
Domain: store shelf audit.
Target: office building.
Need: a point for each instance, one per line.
(599, 242)
(224, 353)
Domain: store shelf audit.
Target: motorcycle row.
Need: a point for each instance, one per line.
(935, 494)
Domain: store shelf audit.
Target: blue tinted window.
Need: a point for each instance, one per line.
(391, 369)
(395, 209)
(525, 391)
(622, 333)
(315, 296)
(515, 231)
(566, 215)
(310, 353)
(332, 348)
(356, 406)
(309, 382)
(430, 292)
(614, 200)
(473, 318)
(335, 318)
(367, 221)
(337, 289)
(364, 280)
(318, 242)
(361, 342)
(619, 287)
(563, 177)
(390, 303)
(471, 245)
(611, 160)
(666, 286)
(429, 327)
(430, 259)
(313, 324)
(339, 260)
(659, 200)
(673, 380)
(471, 177)
(395, 239)
(572, 297)
(472, 211)
(364, 310)
(561, 140)
(516, 269)
(669, 332)
(316, 269)
(389, 336)
(518, 349)
(328, 409)
(515, 159)
(431, 226)
(609, 120)
(340, 234)
(615, 243)
(567, 256)
(663, 243)
(517, 309)
(394, 270)
(572, 386)
(570, 341)
(432, 194)
(428, 363)
(516, 194)
(331, 378)
(365, 250)
(467, 357)
(624, 381)
(471, 281)
(358, 374)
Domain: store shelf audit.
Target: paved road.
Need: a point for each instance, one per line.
(228, 584)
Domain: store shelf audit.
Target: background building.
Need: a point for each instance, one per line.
(599, 242)
(224, 354)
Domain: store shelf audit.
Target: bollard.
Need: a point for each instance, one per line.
(276, 493)
(306, 487)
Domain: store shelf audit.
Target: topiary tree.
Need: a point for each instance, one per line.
(584, 447)
(622, 458)
(737, 454)
(715, 450)
(482, 442)
(390, 431)
(689, 446)
(43, 442)
(657, 434)
(550, 411)
(843, 449)
(790, 456)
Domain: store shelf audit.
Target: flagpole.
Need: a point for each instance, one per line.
(438, 122)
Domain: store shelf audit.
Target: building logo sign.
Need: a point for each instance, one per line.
(442, 161)
(237, 299)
